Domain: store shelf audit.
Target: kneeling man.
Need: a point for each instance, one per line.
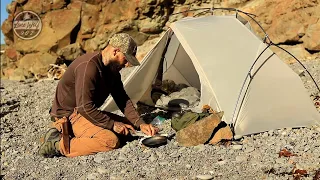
(80, 127)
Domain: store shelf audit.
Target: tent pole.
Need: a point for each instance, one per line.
(251, 79)
(243, 84)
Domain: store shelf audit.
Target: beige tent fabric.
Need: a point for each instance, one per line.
(276, 99)
(215, 54)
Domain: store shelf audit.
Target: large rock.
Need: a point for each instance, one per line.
(11, 8)
(70, 52)
(285, 21)
(151, 25)
(199, 132)
(311, 40)
(33, 5)
(12, 54)
(43, 6)
(7, 28)
(55, 32)
(138, 37)
(89, 18)
(298, 51)
(118, 11)
(37, 63)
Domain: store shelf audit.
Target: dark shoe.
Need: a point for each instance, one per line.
(50, 147)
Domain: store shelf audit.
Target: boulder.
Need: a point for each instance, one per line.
(118, 11)
(89, 18)
(20, 1)
(17, 75)
(198, 132)
(42, 43)
(138, 37)
(96, 43)
(33, 5)
(284, 21)
(37, 63)
(151, 26)
(11, 72)
(70, 52)
(298, 51)
(12, 54)
(311, 40)
(287, 28)
(58, 4)
(48, 5)
(7, 28)
(11, 8)
(54, 32)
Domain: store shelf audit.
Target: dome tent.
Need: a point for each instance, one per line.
(235, 71)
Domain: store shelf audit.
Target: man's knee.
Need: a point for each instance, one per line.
(108, 139)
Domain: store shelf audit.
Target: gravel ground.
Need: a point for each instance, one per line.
(24, 119)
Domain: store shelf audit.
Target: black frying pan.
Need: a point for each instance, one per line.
(156, 141)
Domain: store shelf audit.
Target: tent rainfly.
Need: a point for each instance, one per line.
(235, 71)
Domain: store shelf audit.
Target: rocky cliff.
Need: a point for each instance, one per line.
(73, 27)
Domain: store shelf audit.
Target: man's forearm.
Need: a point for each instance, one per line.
(132, 114)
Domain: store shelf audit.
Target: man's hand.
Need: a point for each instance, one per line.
(148, 129)
(122, 128)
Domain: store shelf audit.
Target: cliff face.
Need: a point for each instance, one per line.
(71, 28)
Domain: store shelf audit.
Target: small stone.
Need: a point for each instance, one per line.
(123, 158)
(204, 177)
(98, 159)
(237, 147)
(264, 135)
(152, 169)
(281, 161)
(102, 170)
(92, 176)
(115, 178)
(221, 162)
(237, 137)
(241, 158)
(301, 73)
(124, 171)
(153, 158)
(249, 149)
(188, 166)
(200, 148)
(159, 154)
(271, 132)
(164, 163)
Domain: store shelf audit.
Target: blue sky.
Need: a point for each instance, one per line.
(4, 14)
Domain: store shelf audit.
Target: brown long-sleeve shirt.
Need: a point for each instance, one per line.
(85, 86)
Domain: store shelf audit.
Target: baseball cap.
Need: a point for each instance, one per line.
(127, 46)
